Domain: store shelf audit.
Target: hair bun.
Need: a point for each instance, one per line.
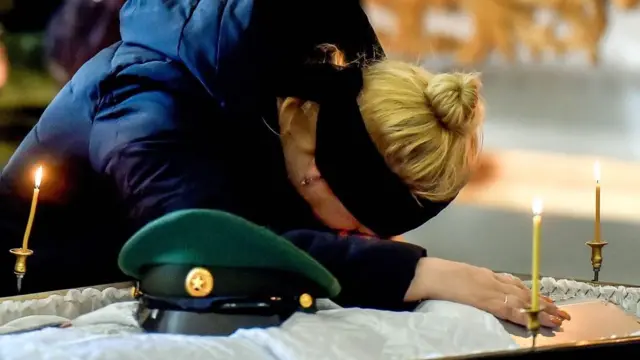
(453, 98)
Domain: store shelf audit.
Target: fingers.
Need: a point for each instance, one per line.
(517, 282)
(548, 320)
(524, 293)
(514, 310)
(553, 310)
(511, 280)
(517, 300)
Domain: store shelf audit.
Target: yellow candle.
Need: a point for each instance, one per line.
(32, 213)
(535, 256)
(596, 175)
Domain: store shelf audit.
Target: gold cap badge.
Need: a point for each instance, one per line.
(199, 282)
(306, 301)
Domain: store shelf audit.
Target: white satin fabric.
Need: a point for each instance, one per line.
(435, 329)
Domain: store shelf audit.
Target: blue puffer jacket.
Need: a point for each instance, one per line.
(174, 117)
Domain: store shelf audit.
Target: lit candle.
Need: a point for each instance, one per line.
(535, 256)
(596, 175)
(32, 213)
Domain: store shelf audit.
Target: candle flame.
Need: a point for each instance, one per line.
(38, 177)
(536, 206)
(596, 171)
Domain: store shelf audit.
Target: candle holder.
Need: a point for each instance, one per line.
(596, 257)
(20, 268)
(533, 325)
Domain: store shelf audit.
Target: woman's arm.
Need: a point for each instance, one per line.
(373, 273)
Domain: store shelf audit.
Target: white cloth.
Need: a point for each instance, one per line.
(437, 328)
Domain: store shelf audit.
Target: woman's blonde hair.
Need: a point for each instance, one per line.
(426, 126)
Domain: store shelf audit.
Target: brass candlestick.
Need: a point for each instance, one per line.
(20, 268)
(596, 257)
(533, 325)
(23, 252)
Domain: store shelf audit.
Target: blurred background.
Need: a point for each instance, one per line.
(25, 85)
(562, 86)
(561, 80)
(42, 43)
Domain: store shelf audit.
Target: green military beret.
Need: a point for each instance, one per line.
(209, 254)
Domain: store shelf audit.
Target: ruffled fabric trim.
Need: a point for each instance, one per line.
(70, 306)
(76, 303)
(627, 298)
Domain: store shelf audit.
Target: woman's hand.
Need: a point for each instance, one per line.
(500, 295)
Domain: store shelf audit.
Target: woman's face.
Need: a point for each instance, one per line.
(298, 143)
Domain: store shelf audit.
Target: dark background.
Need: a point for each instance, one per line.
(29, 15)
(16, 117)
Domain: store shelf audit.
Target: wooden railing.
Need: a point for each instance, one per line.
(541, 27)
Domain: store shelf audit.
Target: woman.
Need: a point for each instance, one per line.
(224, 108)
